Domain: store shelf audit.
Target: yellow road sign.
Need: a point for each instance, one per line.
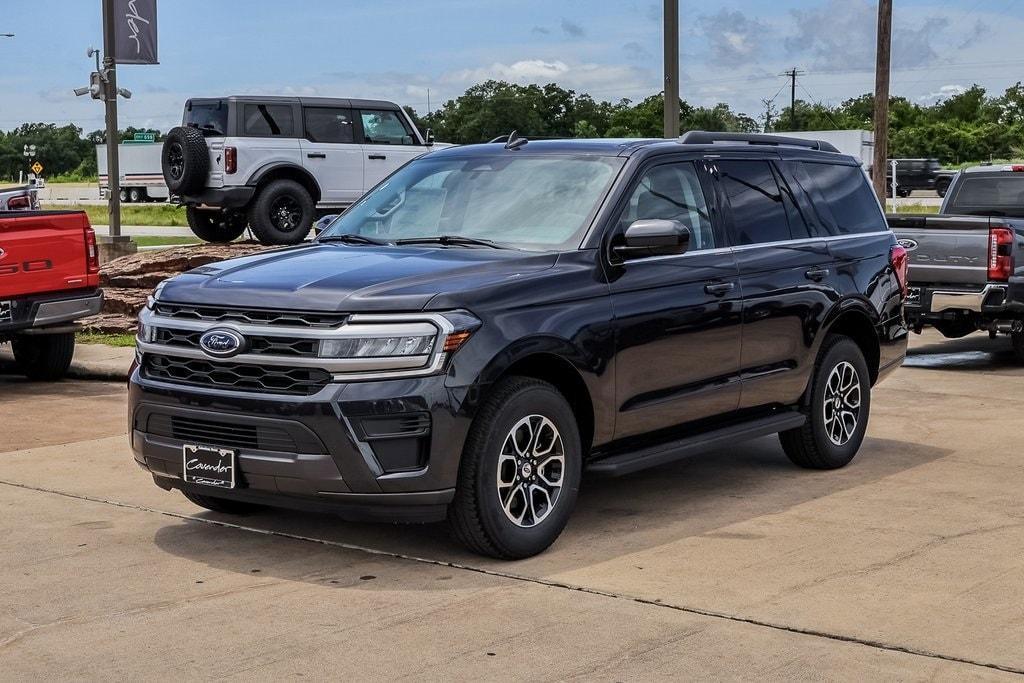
(37, 168)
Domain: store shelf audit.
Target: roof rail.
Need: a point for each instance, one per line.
(701, 137)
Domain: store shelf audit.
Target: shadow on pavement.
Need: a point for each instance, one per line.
(971, 353)
(614, 517)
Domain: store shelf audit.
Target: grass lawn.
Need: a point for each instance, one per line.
(108, 339)
(915, 208)
(152, 214)
(157, 241)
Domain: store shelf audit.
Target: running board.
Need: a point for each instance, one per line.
(634, 461)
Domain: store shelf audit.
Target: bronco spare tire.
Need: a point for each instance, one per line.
(185, 161)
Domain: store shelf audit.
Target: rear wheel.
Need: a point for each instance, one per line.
(219, 226)
(44, 358)
(837, 409)
(123, 195)
(224, 505)
(282, 213)
(520, 471)
(136, 195)
(941, 187)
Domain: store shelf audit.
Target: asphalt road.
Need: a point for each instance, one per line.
(905, 565)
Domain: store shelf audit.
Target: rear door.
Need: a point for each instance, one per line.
(269, 135)
(389, 142)
(330, 152)
(784, 274)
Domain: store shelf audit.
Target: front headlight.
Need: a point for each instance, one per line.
(378, 347)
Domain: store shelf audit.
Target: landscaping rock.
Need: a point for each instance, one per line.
(127, 281)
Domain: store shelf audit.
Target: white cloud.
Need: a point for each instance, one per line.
(735, 38)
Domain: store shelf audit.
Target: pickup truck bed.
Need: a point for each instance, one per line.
(49, 278)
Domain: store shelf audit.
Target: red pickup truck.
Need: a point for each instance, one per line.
(49, 278)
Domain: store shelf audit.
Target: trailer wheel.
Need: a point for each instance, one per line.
(123, 194)
(136, 195)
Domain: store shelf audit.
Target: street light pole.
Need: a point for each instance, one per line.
(671, 68)
(110, 101)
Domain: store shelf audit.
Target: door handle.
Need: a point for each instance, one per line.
(719, 288)
(316, 155)
(817, 274)
(379, 157)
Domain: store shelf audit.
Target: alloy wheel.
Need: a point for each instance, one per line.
(175, 161)
(841, 403)
(531, 467)
(285, 214)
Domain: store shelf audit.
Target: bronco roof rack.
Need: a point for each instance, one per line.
(702, 137)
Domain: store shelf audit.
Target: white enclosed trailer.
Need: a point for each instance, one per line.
(860, 144)
(142, 179)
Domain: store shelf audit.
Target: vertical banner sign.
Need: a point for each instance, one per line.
(135, 32)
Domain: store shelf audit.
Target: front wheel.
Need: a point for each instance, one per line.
(44, 358)
(520, 471)
(215, 225)
(837, 409)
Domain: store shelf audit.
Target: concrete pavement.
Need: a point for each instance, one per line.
(905, 565)
(91, 361)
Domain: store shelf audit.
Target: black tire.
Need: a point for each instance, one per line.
(212, 225)
(812, 445)
(224, 505)
(476, 515)
(136, 195)
(283, 213)
(1018, 345)
(185, 160)
(123, 195)
(941, 187)
(44, 358)
(903, 192)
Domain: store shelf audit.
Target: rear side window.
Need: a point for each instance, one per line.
(843, 197)
(209, 117)
(268, 120)
(329, 124)
(758, 211)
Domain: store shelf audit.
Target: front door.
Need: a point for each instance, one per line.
(332, 155)
(677, 318)
(389, 143)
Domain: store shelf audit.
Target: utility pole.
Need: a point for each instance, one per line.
(882, 67)
(792, 74)
(110, 101)
(671, 69)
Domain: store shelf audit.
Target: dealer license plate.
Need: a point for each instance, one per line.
(209, 466)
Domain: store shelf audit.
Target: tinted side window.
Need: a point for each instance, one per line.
(843, 196)
(672, 192)
(328, 124)
(758, 212)
(799, 225)
(385, 128)
(268, 120)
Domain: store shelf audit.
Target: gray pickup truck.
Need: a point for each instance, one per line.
(967, 262)
(24, 198)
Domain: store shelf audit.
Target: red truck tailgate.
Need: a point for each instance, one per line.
(43, 251)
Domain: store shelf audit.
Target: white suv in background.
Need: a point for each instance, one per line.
(275, 163)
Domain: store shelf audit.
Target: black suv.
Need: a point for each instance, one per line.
(493, 320)
(918, 174)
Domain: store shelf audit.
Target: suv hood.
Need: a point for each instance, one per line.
(344, 278)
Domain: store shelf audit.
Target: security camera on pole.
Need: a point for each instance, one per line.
(129, 37)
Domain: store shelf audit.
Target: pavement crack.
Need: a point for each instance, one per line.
(550, 583)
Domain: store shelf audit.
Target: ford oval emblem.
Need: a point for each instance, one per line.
(909, 245)
(222, 343)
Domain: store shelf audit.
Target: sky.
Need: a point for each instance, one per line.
(731, 51)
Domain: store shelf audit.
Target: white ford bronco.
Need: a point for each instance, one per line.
(275, 163)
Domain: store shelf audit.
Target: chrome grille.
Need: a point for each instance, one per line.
(216, 314)
(276, 346)
(235, 376)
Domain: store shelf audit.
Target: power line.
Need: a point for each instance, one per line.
(792, 74)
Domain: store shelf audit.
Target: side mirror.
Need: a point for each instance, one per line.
(653, 237)
(322, 223)
(429, 137)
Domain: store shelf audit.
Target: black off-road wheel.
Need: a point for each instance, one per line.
(218, 226)
(44, 358)
(224, 505)
(185, 160)
(283, 213)
(837, 406)
(942, 187)
(520, 471)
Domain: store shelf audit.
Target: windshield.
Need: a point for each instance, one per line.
(1001, 195)
(538, 203)
(209, 117)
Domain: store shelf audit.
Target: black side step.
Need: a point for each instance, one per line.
(634, 461)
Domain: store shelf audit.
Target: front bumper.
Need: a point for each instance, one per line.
(376, 450)
(42, 311)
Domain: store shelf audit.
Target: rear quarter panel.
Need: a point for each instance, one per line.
(43, 252)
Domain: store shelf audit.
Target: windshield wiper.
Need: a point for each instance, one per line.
(453, 240)
(352, 238)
